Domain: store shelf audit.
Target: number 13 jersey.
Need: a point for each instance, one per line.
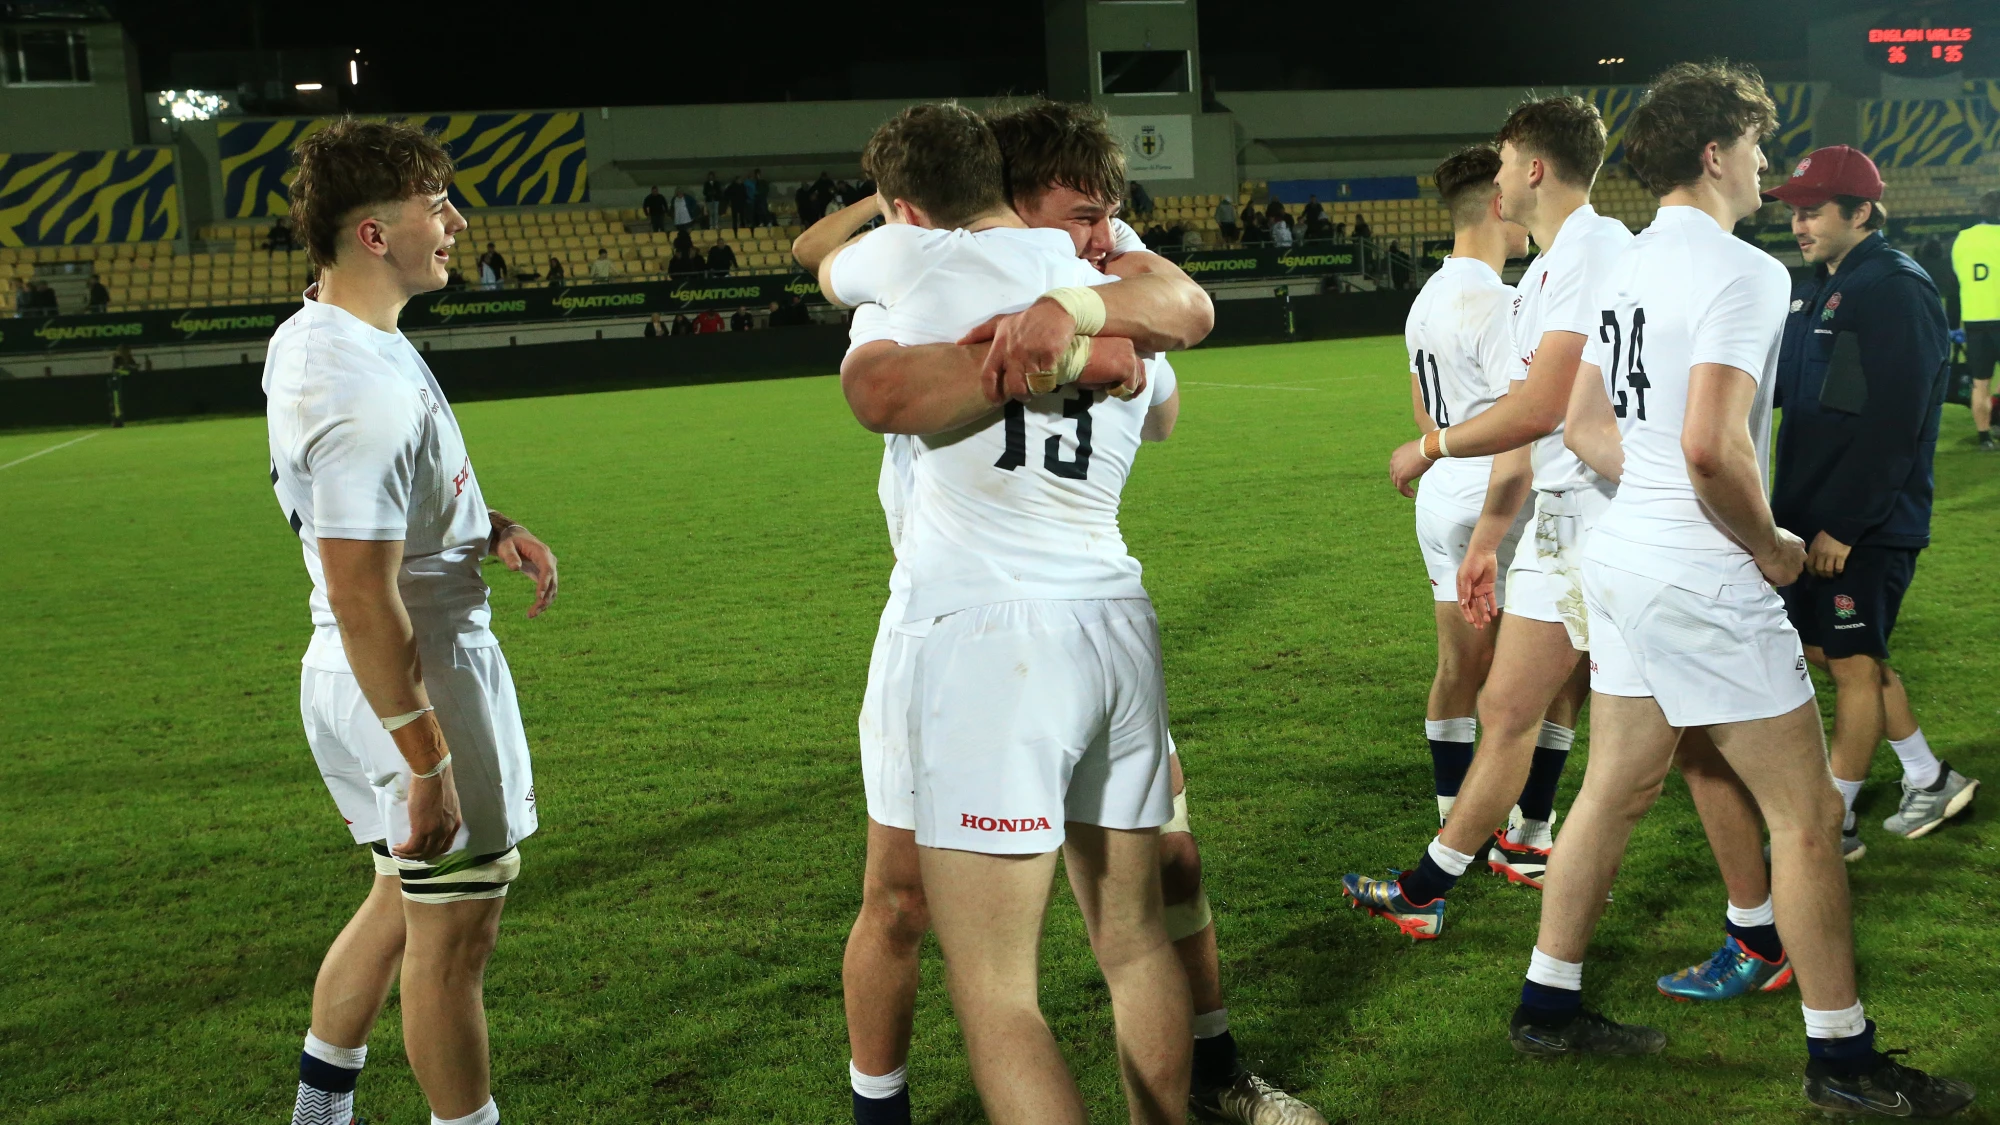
(1684, 292)
(1023, 503)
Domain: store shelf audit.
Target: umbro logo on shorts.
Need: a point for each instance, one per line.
(1000, 824)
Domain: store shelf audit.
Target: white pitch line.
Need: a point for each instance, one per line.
(1233, 386)
(51, 449)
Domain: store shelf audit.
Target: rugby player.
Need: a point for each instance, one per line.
(1064, 170)
(1037, 713)
(408, 704)
(1673, 402)
(1461, 361)
(1550, 151)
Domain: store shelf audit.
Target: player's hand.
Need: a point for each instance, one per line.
(1114, 367)
(434, 817)
(1478, 578)
(1785, 559)
(1024, 343)
(1407, 464)
(1827, 557)
(522, 552)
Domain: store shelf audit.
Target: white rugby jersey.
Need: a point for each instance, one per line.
(1558, 294)
(1461, 349)
(1684, 292)
(364, 446)
(1024, 502)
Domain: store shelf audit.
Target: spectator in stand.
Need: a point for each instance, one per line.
(19, 301)
(655, 327)
(556, 277)
(864, 189)
(1138, 199)
(453, 279)
(686, 263)
(1361, 227)
(1256, 232)
(707, 321)
(655, 208)
(808, 204)
(736, 198)
(492, 268)
(772, 317)
(601, 269)
(721, 259)
(281, 235)
(684, 209)
(100, 297)
(682, 326)
(43, 300)
(742, 321)
(683, 241)
(823, 192)
(1281, 233)
(760, 199)
(1312, 211)
(711, 199)
(1319, 228)
(1275, 210)
(1399, 265)
(1225, 221)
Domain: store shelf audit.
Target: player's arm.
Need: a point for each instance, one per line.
(1422, 413)
(1507, 489)
(1155, 305)
(932, 388)
(523, 553)
(1590, 429)
(1722, 466)
(381, 647)
(1531, 409)
(811, 248)
(1160, 419)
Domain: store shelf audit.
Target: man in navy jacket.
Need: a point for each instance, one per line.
(1861, 381)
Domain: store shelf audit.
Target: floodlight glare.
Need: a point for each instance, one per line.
(190, 105)
(306, 86)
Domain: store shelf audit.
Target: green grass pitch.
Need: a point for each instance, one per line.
(174, 869)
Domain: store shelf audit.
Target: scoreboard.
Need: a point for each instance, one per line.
(1924, 50)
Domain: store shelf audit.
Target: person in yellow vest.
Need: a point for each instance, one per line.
(1975, 258)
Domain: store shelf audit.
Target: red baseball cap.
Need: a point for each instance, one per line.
(1827, 172)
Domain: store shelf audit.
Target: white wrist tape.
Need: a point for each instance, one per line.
(1443, 449)
(436, 769)
(398, 722)
(1068, 369)
(1083, 305)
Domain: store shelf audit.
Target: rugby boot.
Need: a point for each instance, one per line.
(1887, 1089)
(1585, 1033)
(1521, 863)
(1249, 1100)
(1924, 809)
(1384, 899)
(1733, 971)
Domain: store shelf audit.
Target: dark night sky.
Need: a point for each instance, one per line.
(506, 55)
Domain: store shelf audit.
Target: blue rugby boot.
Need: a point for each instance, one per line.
(1733, 971)
(1384, 899)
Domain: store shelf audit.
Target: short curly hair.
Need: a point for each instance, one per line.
(1688, 106)
(351, 165)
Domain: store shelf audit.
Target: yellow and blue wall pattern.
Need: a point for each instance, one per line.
(503, 159)
(1795, 117)
(100, 195)
(1926, 132)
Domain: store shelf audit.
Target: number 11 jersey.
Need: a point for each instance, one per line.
(1021, 504)
(1684, 292)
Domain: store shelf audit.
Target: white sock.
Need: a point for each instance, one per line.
(315, 1106)
(1555, 737)
(1848, 791)
(1920, 766)
(1549, 972)
(1454, 862)
(1534, 833)
(1463, 729)
(488, 1114)
(1834, 1025)
(878, 1086)
(1444, 808)
(1208, 1025)
(1753, 915)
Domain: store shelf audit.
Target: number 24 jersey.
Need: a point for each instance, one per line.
(1684, 292)
(1023, 503)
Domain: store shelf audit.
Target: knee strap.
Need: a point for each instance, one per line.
(1189, 918)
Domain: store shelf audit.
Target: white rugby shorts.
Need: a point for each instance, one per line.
(885, 717)
(1443, 534)
(1728, 658)
(1026, 714)
(469, 684)
(1545, 583)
